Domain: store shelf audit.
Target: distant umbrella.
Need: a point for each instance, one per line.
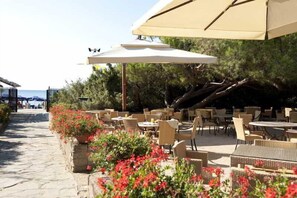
(36, 98)
(21, 97)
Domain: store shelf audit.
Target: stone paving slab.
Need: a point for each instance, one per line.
(31, 162)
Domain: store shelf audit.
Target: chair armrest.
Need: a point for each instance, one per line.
(197, 163)
(198, 155)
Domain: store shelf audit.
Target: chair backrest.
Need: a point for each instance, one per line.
(166, 133)
(179, 150)
(123, 113)
(287, 111)
(238, 124)
(195, 125)
(247, 118)
(113, 114)
(139, 116)
(220, 111)
(130, 124)
(199, 119)
(205, 113)
(257, 115)
(280, 116)
(293, 116)
(276, 144)
(251, 109)
(177, 115)
(146, 111)
(236, 114)
(149, 117)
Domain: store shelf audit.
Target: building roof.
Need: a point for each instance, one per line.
(10, 83)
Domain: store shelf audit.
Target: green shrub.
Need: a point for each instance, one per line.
(109, 148)
(4, 113)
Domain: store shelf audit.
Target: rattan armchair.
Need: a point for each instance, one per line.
(166, 134)
(149, 117)
(189, 134)
(139, 116)
(241, 135)
(276, 144)
(131, 125)
(198, 158)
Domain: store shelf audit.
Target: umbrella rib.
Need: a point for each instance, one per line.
(223, 12)
(173, 8)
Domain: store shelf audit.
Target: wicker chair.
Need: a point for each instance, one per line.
(293, 116)
(205, 123)
(177, 116)
(240, 132)
(123, 113)
(139, 116)
(292, 135)
(149, 117)
(189, 134)
(198, 158)
(166, 134)
(276, 144)
(131, 125)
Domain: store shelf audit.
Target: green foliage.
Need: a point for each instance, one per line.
(270, 64)
(4, 113)
(108, 148)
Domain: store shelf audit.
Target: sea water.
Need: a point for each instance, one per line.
(31, 93)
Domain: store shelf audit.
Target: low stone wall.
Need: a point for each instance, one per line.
(76, 154)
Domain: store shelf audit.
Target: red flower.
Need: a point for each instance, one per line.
(161, 186)
(291, 191)
(248, 171)
(101, 184)
(294, 170)
(259, 163)
(270, 193)
(102, 170)
(89, 167)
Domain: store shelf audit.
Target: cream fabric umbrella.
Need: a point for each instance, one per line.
(229, 19)
(142, 51)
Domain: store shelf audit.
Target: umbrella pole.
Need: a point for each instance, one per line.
(124, 87)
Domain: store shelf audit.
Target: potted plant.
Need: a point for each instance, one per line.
(73, 123)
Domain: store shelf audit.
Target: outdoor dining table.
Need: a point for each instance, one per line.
(227, 120)
(148, 125)
(278, 125)
(273, 158)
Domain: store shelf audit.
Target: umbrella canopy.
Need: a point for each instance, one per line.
(229, 19)
(142, 51)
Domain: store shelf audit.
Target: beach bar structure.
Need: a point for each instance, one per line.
(12, 96)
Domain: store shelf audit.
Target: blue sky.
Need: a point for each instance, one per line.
(42, 42)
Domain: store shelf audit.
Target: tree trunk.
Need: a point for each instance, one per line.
(216, 91)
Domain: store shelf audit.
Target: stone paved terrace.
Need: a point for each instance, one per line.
(32, 164)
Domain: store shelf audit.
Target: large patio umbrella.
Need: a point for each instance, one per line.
(142, 51)
(229, 19)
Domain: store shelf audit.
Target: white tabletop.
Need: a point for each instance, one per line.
(148, 124)
(274, 124)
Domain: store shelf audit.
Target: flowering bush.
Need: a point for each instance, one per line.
(4, 113)
(273, 186)
(144, 176)
(71, 123)
(108, 148)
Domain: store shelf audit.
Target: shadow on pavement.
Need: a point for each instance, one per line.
(8, 152)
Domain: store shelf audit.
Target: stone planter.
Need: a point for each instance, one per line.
(76, 154)
(94, 190)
